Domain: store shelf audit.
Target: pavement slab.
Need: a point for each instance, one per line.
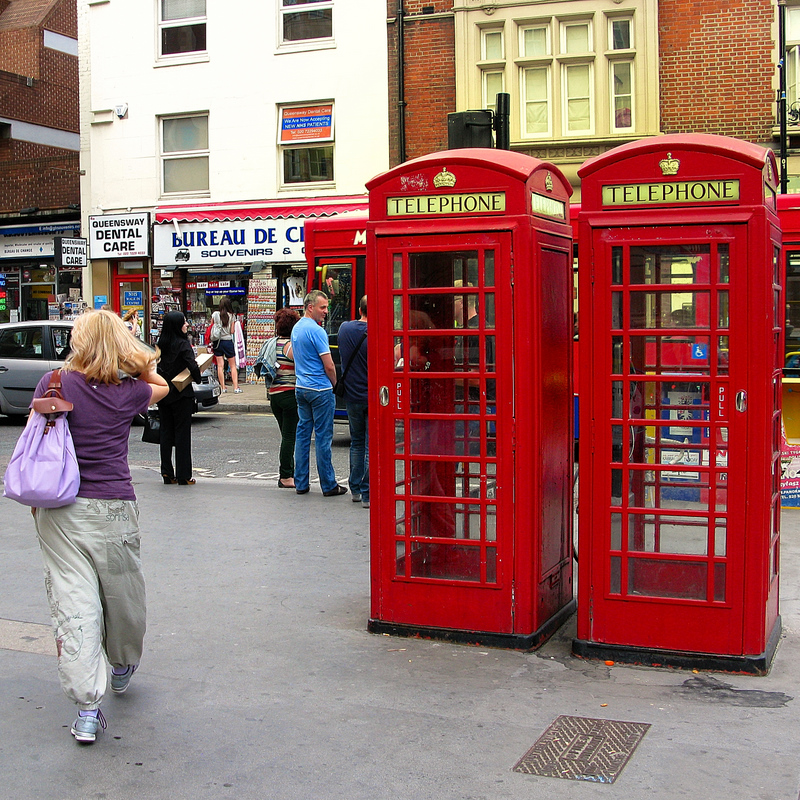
(260, 680)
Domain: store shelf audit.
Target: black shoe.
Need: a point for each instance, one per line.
(282, 485)
(300, 491)
(187, 482)
(168, 479)
(335, 492)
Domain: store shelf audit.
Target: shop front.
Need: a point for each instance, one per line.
(252, 253)
(119, 247)
(32, 287)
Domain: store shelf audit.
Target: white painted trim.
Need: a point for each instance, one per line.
(39, 134)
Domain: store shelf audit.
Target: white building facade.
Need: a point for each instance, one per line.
(210, 131)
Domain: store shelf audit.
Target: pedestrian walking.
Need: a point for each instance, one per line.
(222, 341)
(352, 340)
(315, 378)
(177, 408)
(281, 394)
(90, 549)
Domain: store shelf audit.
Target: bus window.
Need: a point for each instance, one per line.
(792, 353)
(336, 280)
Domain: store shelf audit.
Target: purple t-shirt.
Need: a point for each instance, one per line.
(100, 423)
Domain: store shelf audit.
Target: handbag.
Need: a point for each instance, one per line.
(43, 471)
(152, 428)
(339, 389)
(216, 328)
(266, 365)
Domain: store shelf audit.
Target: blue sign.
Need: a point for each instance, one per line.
(132, 298)
(700, 352)
(231, 290)
(100, 300)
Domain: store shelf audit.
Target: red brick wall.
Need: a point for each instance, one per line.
(39, 85)
(717, 66)
(19, 51)
(63, 18)
(33, 175)
(430, 85)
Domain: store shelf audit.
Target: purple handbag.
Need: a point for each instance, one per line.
(43, 471)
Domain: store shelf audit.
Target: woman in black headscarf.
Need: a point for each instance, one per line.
(176, 408)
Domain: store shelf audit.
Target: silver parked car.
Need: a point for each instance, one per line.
(28, 350)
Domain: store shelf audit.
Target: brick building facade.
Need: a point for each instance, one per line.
(716, 73)
(39, 119)
(418, 122)
(717, 67)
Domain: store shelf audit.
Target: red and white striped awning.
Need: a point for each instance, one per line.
(265, 209)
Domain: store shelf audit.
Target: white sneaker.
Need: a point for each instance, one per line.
(84, 729)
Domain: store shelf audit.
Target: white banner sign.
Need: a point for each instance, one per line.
(232, 242)
(119, 236)
(21, 246)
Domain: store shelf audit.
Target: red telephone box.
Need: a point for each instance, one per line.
(681, 351)
(469, 275)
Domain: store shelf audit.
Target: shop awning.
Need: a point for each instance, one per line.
(266, 209)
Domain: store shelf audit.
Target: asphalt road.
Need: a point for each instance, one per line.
(225, 444)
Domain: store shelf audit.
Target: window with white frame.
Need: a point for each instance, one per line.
(184, 154)
(303, 21)
(492, 45)
(536, 101)
(182, 27)
(572, 70)
(620, 45)
(492, 86)
(576, 38)
(577, 54)
(535, 41)
(492, 57)
(620, 36)
(621, 95)
(793, 61)
(577, 95)
(305, 139)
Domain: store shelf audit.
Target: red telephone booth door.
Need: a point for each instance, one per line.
(668, 544)
(444, 531)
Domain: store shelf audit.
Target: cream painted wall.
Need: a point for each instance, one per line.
(240, 84)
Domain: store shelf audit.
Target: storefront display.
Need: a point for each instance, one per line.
(261, 307)
(202, 300)
(32, 288)
(166, 297)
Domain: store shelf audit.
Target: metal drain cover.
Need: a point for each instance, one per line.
(583, 749)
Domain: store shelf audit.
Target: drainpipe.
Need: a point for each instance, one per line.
(401, 90)
(784, 161)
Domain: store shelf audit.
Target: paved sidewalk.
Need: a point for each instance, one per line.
(261, 682)
(252, 400)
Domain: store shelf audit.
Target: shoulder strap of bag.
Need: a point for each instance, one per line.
(52, 401)
(353, 355)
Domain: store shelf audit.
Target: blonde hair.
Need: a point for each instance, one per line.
(129, 314)
(102, 346)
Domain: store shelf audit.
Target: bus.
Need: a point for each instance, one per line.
(336, 254)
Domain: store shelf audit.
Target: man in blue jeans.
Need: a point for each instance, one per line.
(316, 376)
(353, 352)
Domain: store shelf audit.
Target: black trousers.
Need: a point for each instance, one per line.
(176, 432)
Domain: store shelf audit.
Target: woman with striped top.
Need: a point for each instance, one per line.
(281, 394)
